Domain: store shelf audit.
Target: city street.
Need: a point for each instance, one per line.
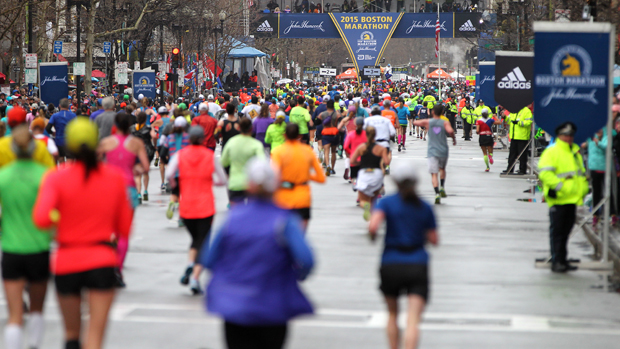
(485, 291)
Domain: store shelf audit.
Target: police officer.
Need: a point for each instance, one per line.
(451, 111)
(520, 126)
(468, 115)
(563, 176)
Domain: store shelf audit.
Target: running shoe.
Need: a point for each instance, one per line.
(425, 138)
(333, 172)
(437, 199)
(491, 159)
(367, 211)
(181, 223)
(139, 199)
(170, 210)
(194, 286)
(404, 147)
(328, 171)
(487, 170)
(156, 162)
(387, 170)
(410, 133)
(399, 146)
(442, 193)
(186, 275)
(346, 174)
(163, 187)
(145, 196)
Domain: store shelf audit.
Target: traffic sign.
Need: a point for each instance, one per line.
(31, 61)
(57, 47)
(107, 47)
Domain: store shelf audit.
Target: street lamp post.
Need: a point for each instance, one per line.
(220, 29)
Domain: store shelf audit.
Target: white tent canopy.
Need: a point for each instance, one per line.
(456, 75)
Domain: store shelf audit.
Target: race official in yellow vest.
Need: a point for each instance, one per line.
(563, 176)
(520, 126)
(469, 117)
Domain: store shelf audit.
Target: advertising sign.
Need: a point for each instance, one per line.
(327, 72)
(311, 70)
(313, 26)
(400, 70)
(53, 81)
(366, 35)
(572, 69)
(422, 25)
(486, 86)
(144, 83)
(467, 25)
(513, 87)
(266, 26)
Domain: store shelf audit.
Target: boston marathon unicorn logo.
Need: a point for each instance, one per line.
(573, 68)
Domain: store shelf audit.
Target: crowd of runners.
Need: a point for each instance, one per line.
(266, 147)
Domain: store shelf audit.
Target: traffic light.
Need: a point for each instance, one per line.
(413, 67)
(175, 58)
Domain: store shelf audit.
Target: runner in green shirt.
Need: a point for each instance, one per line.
(275, 131)
(237, 152)
(301, 117)
(25, 249)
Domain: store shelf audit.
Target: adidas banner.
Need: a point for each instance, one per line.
(573, 64)
(467, 25)
(266, 26)
(514, 72)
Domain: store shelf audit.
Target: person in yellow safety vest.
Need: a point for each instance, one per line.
(468, 115)
(520, 127)
(451, 111)
(478, 112)
(431, 101)
(563, 177)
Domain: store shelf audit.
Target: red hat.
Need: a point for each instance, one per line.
(123, 105)
(16, 116)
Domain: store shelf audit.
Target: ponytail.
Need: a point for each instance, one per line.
(370, 138)
(406, 190)
(89, 158)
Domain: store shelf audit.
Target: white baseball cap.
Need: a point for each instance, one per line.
(162, 110)
(402, 171)
(140, 96)
(180, 121)
(210, 97)
(201, 97)
(203, 107)
(260, 172)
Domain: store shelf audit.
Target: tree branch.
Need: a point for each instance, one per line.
(122, 30)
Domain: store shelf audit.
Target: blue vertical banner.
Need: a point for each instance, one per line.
(366, 35)
(53, 81)
(144, 84)
(486, 83)
(572, 69)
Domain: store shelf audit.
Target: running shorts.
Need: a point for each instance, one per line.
(32, 267)
(403, 125)
(435, 164)
(486, 140)
(333, 140)
(199, 229)
(63, 153)
(96, 279)
(304, 213)
(259, 336)
(318, 134)
(397, 279)
(163, 159)
(133, 196)
(305, 138)
(237, 196)
(410, 117)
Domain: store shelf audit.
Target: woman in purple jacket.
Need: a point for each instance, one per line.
(256, 260)
(260, 124)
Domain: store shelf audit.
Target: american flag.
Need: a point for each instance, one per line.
(437, 30)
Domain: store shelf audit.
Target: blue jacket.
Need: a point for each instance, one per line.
(256, 260)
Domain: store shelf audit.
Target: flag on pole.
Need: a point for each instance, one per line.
(437, 30)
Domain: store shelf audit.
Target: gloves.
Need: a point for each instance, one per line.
(514, 122)
(552, 194)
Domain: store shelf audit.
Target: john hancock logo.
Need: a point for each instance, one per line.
(304, 25)
(53, 79)
(571, 73)
(366, 42)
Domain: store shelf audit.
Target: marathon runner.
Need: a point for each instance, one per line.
(484, 127)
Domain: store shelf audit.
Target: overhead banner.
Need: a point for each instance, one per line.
(53, 81)
(311, 26)
(514, 71)
(366, 35)
(321, 26)
(572, 70)
(486, 86)
(422, 25)
(144, 84)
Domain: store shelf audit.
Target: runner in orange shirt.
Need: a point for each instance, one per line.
(389, 113)
(297, 165)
